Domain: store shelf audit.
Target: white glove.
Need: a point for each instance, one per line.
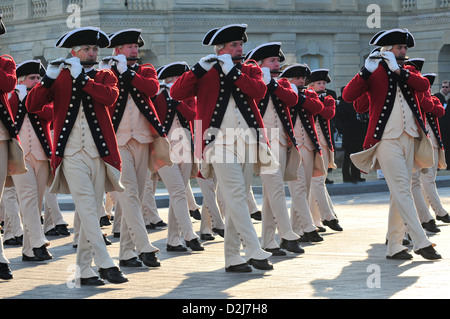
(21, 91)
(266, 75)
(75, 66)
(371, 64)
(207, 65)
(390, 59)
(121, 63)
(226, 63)
(105, 63)
(294, 88)
(54, 70)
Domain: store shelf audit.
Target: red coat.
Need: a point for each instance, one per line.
(8, 82)
(206, 86)
(45, 118)
(186, 108)
(309, 104)
(376, 86)
(437, 110)
(103, 92)
(327, 113)
(282, 90)
(145, 80)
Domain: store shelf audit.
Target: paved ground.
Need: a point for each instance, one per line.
(346, 265)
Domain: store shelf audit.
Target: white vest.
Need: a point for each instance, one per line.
(30, 142)
(301, 135)
(133, 125)
(80, 138)
(401, 119)
(272, 122)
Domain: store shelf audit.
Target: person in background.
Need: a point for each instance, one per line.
(226, 91)
(353, 127)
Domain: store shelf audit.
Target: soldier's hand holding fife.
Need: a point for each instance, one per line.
(226, 62)
(54, 68)
(120, 61)
(206, 62)
(372, 61)
(390, 59)
(266, 75)
(74, 66)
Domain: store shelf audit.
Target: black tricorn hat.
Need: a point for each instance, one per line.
(266, 50)
(319, 75)
(393, 36)
(294, 70)
(30, 67)
(2, 26)
(83, 36)
(416, 62)
(172, 69)
(430, 76)
(225, 34)
(127, 36)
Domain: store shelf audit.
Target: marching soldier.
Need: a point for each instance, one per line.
(36, 141)
(137, 126)
(418, 192)
(85, 157)
(305, 133)
(395, 126)
(274, 109)
(320, 201)
(428, 177)
(424, 180)
(176, 119)
(226, 91)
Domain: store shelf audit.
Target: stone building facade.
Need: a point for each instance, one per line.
(332, 34)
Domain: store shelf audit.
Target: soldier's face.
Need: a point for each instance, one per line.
(273, 63)
(234, 48)
(129, 51)
(31, 80)
(399, 50)
(319, 86)
(299, 81)
(87, 53)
